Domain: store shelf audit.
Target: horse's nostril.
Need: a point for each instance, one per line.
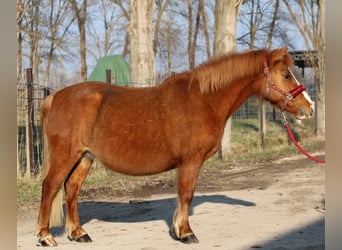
(301, 112)
(312, 110)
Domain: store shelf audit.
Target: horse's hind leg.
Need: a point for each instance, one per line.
(72, 188)
(49, 190)
(57, 173)
(187, 177)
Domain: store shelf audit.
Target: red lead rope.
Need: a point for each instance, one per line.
(287, 126)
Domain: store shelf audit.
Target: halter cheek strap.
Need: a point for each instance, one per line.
(288, 95)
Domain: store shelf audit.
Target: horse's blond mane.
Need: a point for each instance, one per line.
(224, 70)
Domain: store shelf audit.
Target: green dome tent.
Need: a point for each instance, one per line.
(120, 69)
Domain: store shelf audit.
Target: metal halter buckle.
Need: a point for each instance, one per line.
(289, 96)
(266, 71)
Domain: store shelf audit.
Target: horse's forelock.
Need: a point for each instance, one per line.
(289, 60)
(286, 58)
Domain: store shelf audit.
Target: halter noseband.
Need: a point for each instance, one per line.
(288, 95)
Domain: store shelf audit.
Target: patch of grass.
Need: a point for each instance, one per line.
(246, 135)
(29, 190)
(246, 146)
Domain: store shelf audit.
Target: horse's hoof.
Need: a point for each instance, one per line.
(189, 239)
(84, 238)
(47, 241)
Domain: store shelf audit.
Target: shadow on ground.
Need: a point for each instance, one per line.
(309, 237)
(142, 210)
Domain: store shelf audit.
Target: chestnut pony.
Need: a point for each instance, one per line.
(144, 131)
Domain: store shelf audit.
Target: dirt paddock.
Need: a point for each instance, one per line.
(272, 205)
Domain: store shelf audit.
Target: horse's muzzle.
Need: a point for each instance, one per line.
(303, 114)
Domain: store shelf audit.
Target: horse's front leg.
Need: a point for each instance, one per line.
(187, 177)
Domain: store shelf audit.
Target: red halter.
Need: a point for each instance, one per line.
(288, 95)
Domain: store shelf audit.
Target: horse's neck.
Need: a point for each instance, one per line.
(228, 99)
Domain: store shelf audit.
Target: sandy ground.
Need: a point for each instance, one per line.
(274, 205)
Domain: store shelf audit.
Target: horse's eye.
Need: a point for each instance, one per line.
(287, 76)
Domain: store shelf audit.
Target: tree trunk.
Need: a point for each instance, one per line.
(140, 33)
(27, 173)
(205, 28)
(320, 90)
(53, 31)
(126, 14)
(83, 49)
(272, 26)
(167, 30)
(161, 9)
(20, 15)
(226, 13)
(34, 38)
(190, 41)
(262, 108)
(81, 14)
(314, 36)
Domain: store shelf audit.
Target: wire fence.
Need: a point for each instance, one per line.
(29, 135)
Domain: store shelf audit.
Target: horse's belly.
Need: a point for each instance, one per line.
(144, 168)
(136, 163)
(133, 145)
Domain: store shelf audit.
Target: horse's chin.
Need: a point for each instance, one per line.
(302, 115)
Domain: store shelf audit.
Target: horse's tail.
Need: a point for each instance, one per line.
(56, 215)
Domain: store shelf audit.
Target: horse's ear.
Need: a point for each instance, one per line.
(279, 54)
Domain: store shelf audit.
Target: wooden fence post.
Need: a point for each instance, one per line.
(262, 123)
(108, 76)
(30, 112)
